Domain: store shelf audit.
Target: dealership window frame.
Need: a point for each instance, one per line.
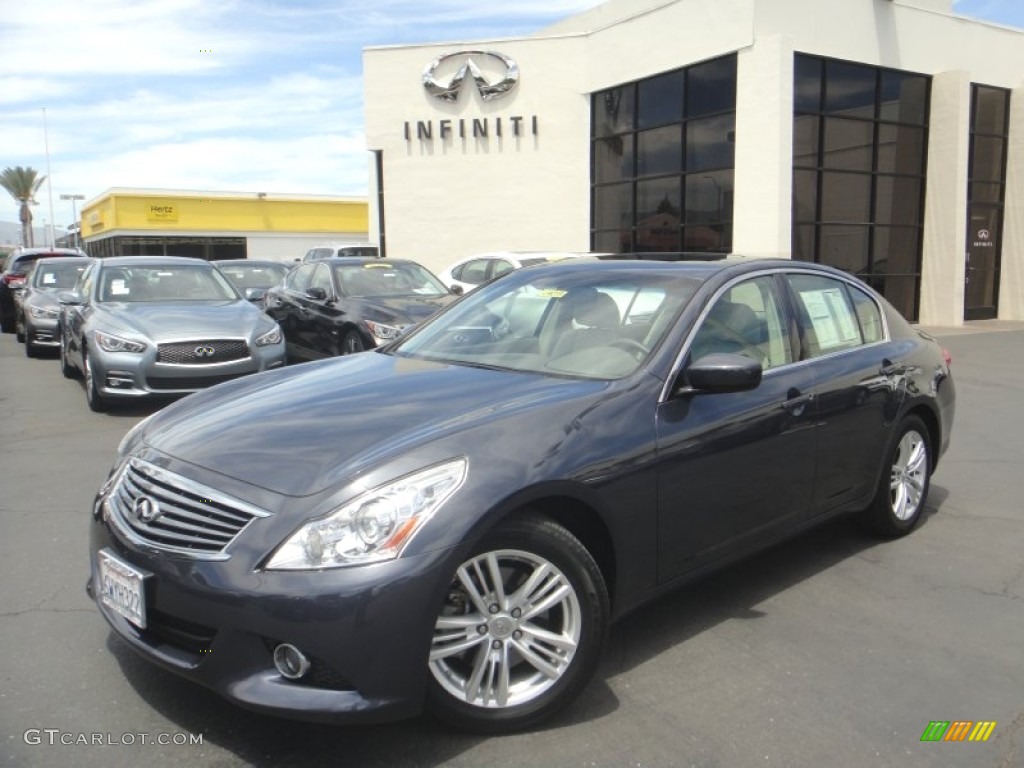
(859, 172)
(662, 164)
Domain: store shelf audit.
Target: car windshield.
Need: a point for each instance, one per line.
(173, 282)
(577, 324)
(244, 275)
(56, 277)
(382, 279)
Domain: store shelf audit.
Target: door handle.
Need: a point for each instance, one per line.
(797, 403)
(889, 368)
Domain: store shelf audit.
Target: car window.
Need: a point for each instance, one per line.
(165, 282)
(827, 317)
(501, 267)
(85, 282)
(322, 279)
(747, 319)
(868, 315)
(59, 277)
(473, 272)
(357, 250)
(383, 278)
(298, 278)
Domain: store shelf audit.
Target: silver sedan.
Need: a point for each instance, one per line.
(137, 326)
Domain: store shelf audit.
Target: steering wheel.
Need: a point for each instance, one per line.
(632, 346)
(752, 350)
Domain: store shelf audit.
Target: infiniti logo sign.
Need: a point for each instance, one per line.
(146, 510)
(204, 351)
(448, 90)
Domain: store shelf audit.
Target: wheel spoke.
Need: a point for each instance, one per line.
(520, 598)
(559, 641)
(496, 578)
(443, 645)
(535, 660)
(470, 585)
(480, 665)
(556, 589)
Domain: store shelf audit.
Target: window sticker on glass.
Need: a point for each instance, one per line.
(376, 266)
(49, 279)
(118, 288)
(551, 293)
(834, 326)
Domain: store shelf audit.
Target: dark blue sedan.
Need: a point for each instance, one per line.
(452, 520)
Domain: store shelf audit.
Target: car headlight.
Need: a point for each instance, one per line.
(384, 333)
(44, 313)
(374, 526)
(111, 343)
(273, 336)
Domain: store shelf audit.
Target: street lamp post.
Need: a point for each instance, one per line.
(74, 214)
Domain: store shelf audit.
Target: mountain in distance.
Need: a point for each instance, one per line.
(10, 234)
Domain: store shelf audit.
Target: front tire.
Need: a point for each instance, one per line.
(352, 343)
(903, 486)
(520, 631)
(19, 328)
(96, 401)
(66, 368)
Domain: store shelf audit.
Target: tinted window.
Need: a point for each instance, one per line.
(298, 278)
(828, 322)
(387, 279)
(868, 315)
(322, 279)
(747, 320)
(661, 100)
(473, 272)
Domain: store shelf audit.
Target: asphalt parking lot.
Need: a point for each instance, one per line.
(833, 649)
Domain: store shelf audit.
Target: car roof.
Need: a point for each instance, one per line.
(69, 260)
(252, 262)
(150, 261)
(357, 260)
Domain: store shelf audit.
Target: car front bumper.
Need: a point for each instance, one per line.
(366, 630)
(132, 375)
(41, 331)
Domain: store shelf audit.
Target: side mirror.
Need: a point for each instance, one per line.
(316, 293)
(457, 290)
(69, 298)
(255, 294)
(719, 373)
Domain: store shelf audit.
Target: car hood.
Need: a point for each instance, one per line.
(404, 310)
(173, 321)
(306, 428)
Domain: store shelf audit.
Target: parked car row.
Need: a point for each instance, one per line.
(451, 520)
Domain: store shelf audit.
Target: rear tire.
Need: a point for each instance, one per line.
(903, 486)
(520, 631)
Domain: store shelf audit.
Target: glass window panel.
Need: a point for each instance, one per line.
(805, 140)
(613, 159)
(807, 84)
(709, 197)
(848, 144)
(710, 143)
(805, 195)
(901, 292)
(711, 87)
(803, 242)
(613, 206)
(613, 110)
(896, 250)
(990, 106)
(900, 149)
(845, 197)
(715, 238)
(987, 158)
(986, 192)
(658, 213)
(845, 247)
(661, 100)
(659, 151)
(898, 200)
(850, 89)
(903, 98)
(617, 241)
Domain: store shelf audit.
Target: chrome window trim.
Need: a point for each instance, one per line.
(677, 365)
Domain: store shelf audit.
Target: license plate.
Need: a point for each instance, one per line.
(122, 589)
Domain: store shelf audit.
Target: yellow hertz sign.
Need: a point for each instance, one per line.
(163, 212)
(958, 730)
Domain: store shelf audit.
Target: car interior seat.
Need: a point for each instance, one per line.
(589, 318)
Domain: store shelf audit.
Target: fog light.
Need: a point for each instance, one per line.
(290, 661)
(120, 380)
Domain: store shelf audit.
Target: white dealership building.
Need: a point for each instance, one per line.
(885, 137)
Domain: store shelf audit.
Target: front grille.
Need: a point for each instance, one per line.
(188, 382)
(202, 352)
(160, 509)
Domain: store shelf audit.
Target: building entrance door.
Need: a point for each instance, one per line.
(981, 273)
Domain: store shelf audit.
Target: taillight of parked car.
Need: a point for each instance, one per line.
(13, 280)
(947, 357)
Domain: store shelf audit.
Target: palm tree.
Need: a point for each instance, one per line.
(23, 183)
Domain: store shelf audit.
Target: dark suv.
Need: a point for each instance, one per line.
(13, 278)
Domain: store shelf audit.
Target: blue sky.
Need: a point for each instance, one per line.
(246, 95)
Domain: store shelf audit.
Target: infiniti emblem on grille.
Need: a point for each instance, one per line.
(146, 510)
(204, 351)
